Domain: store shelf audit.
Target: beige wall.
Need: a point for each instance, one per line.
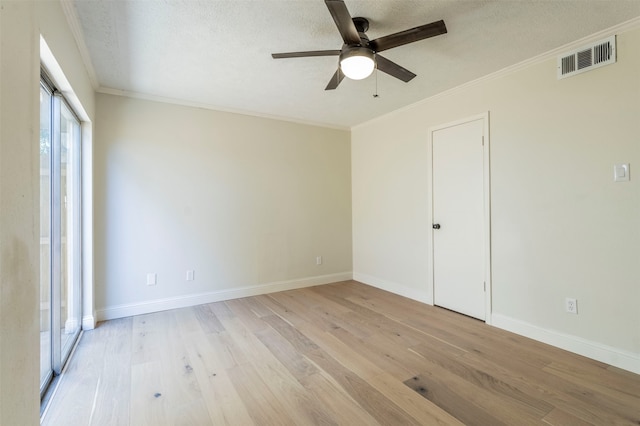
(560, 226)
(19, 256)
(21, 24)
(243, 201)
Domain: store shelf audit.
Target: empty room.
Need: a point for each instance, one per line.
(301, 212)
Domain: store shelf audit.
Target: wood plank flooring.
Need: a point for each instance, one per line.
(338, 354)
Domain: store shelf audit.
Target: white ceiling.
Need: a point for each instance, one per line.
(217, 53)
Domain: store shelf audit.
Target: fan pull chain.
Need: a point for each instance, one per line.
(375, 95)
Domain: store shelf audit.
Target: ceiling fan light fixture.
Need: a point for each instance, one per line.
(357, 63)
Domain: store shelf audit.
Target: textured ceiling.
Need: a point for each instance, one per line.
(217, 53)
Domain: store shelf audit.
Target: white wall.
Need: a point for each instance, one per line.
(246, 202)
(560, 226)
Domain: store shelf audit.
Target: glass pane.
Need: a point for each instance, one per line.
(45, 240)
(70, 229)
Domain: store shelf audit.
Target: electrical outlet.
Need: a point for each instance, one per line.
(190, 275)
(571, 305)
(319, 260)
(152, 279)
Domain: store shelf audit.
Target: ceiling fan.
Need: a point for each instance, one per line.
(359, 55)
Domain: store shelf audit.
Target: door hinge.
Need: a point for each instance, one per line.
(485, 286)
(483, 141)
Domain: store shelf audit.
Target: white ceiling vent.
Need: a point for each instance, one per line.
(587, 58)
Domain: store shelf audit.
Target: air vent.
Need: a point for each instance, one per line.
(587, 58)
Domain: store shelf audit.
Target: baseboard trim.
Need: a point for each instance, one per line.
(613, 356)
(147, 307)
(89, 322)
(411, 293)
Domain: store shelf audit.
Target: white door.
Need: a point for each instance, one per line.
(458, 218)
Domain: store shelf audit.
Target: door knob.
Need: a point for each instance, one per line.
(436, 226)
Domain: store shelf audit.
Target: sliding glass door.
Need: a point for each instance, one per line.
(60, 224)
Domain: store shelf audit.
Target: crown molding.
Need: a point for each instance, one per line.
(193, 104)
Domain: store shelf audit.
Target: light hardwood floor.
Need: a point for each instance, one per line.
(344, 353)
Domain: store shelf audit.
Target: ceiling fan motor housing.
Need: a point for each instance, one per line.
(350, 51)
(362, 24)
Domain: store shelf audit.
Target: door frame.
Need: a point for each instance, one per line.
(487, 206)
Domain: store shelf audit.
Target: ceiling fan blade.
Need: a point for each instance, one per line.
(305, 54)
(343, 21)
(393, 69)
(335, 80)
(408, 36)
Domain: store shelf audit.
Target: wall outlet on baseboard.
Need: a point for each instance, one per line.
(571, 305)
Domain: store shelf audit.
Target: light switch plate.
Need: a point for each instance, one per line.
(621, 172)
